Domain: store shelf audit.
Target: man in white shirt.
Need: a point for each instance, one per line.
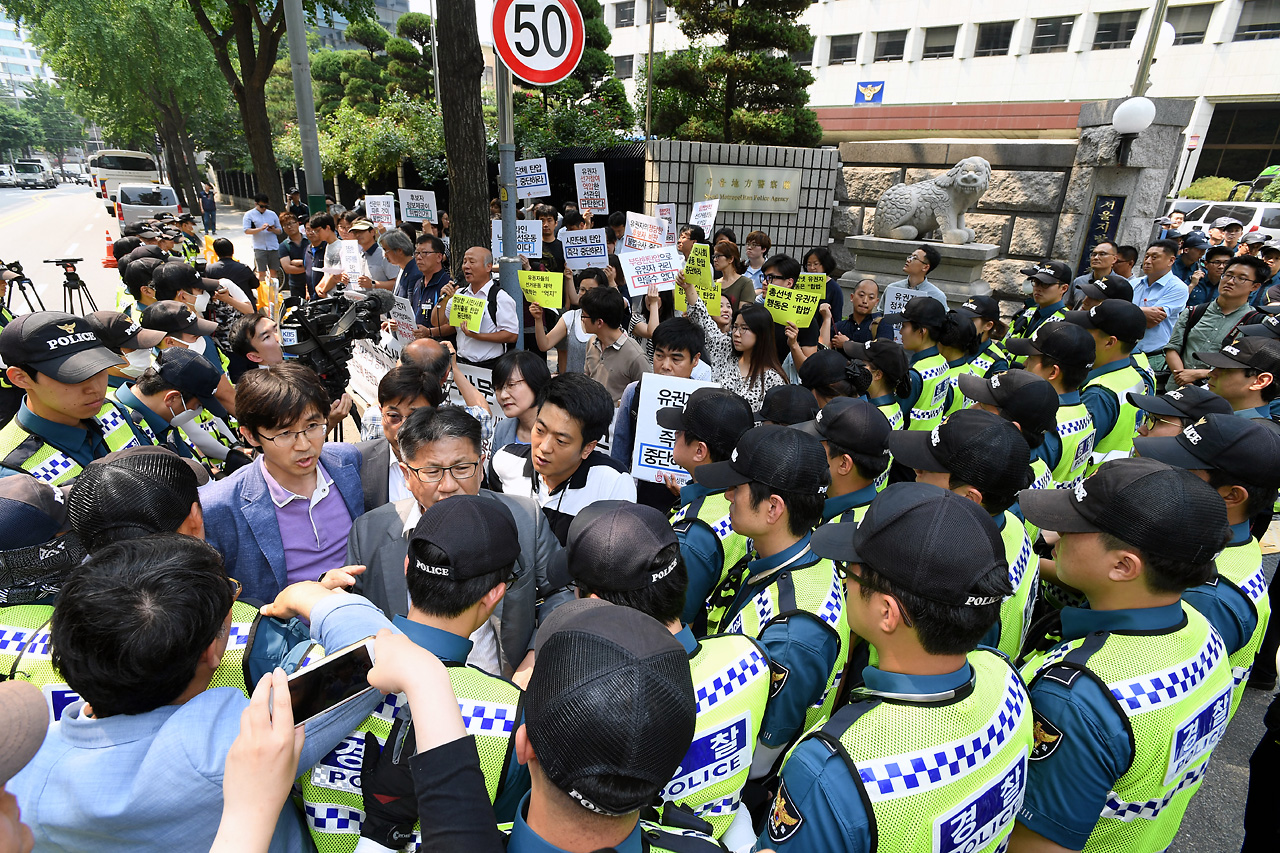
(498, 322)
(263, 226)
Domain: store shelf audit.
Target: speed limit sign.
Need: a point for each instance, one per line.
(541, 41)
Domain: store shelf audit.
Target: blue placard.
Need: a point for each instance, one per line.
(869, 93)
(1104, 225)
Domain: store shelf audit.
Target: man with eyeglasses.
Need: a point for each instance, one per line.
(1102, 258)
(1203, 328)
(286, 517)
(441, 458)
(402, 389)
(919, 264)
(1204, 281)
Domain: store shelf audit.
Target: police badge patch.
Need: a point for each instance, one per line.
(778, 675)
(1047, 735)
(785, 819)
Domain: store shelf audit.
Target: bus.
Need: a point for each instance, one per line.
(112, 166)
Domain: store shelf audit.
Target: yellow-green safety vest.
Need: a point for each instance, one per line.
(893, 412)
(712, 511)
(31, 453)
(1075, 429)
(1024, 577)
(927, 411)
(1118, 443)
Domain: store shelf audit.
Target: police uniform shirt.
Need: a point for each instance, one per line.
(832, 508)
(917, 382)
(83, 444)
(1041, 314)
(162, 429)
(703, 558)
(1231, 614)
(818, 805)
(1102, 403)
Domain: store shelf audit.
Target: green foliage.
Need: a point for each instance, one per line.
(1209, 188)
(415, 27)
(60, 129)
(1270, 193)
(542, 132)
(368, 34)
(18, 129)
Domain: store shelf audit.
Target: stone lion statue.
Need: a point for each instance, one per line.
(905, 211)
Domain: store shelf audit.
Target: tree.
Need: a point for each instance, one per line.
(370, 35)
(742, 91)
(60, 129)
(19, 129)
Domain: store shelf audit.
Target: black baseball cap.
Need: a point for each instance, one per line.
(978, 447)
(610, 699)
(884, 354)
(1167, 512)
(1020, 395)
(62, 346)
(31, 512)
(1262, 354)
(611, 547)
(192, 375)
(780, 457)
(980, 306)
(1189, 401)
(1222, 223)
(1253, 238)
(138, 272)
(715, 415)
(1110, 286)
(852, 423)
(183, 276)
(186, 217)
(924, 539)
(1269, 327)
(921, 311)
(1245, 449)
(172, 317)
(117, 330)
(477, 535)
(139, 491)
(1049, 272)
(824, 367)
(1063, 342)
(788, 405)
(1119, 318)
(36, 549)
(122, 247)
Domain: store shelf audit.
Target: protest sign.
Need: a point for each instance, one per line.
(791, 306)
(532, 178)
(482, 378)
(381, 210)
(528, 238)
(352, 259)
(642, 233)
(697, 271)
(406, 324)
(368, 364)
(896, 298)
(704, 214)
(418, 205)
(593, 194)
(543, 288)
(652, 455)
(667, 212)
(466, 309)
(654, 267)
(813, 282)
(586, 248)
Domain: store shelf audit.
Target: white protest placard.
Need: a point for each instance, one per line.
(593, 194)
(406, 323)
(704, 214)
(586, 248)
(895, 301)
(528, 238)
(653, 454)
(532, 178)
(352, 257)
(642, 233)
(667, 213)
(381, 210)
(482, 378)
(418, 205)
(368, 364)
(655, 267)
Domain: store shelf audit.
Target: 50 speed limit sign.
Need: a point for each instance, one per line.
(541, 41)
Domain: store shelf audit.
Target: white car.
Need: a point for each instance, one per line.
(1254, 215)
(138, 202)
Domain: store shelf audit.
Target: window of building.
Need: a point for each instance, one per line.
(624, 66)
(11, 51)
(1116, 29)
(994, 38)
(891, 45)
(940, 42)
(658, 11)
(1259, 19)
(843, 49)
(1190, 23)
(1052, 35)
(802, 57)
(624, 14)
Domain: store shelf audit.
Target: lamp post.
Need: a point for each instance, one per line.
(1131, 117)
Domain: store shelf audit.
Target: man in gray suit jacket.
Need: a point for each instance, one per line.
(403, 389)
(441, 449)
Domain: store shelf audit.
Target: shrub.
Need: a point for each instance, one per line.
(1209, 188)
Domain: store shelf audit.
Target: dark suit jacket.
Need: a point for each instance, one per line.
(240, 519)
(378, 542)
(375, 465)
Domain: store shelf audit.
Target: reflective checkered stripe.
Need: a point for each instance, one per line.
(731, 683)
(331, 794)
(1024, 576)
(1241, 567)
(713, 511)
(1075, 428)
(957, 400)
(1022, 328)
(1175, 690)
(230, 672)
(24, 654)
(893, 412)
(21, 449)
(1118, 444)
(991, 352)
(944, 777)
(927, 412)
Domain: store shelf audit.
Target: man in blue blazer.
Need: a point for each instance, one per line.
(286, 517)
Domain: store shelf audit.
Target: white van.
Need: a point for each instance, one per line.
(8, 178)
(34, 175)
(137, 202)
(1253, 215)
(117, 166)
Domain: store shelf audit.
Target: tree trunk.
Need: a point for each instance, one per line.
(461, 65)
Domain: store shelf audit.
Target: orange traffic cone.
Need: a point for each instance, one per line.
(109, 260)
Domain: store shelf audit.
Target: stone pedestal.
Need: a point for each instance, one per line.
(959, 275)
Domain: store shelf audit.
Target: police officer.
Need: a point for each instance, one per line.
(460, 558)
(1241, 459)
(125, 337)
(167, 397)
(1049, 282)
(924, 322)
(627, 554)
(931, 754)
(65, 420)
(1131, 694)
(782, 593)
(992, 357)
(855, 435)
(887, 361)
(706, 430)
(1031, 404)
(982, 457)
(1173, 411)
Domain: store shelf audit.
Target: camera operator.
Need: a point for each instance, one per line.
(256, 339)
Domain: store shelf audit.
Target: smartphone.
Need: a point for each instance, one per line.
(332, 681)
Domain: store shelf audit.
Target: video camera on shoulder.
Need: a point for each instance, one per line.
(320, 333)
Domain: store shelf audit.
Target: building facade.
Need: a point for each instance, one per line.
(331, 30)
(20, 60)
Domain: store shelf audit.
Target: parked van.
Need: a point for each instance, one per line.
(116, 166)
(8, 178)
(34, 175)
(1253, 215)
(137, 202)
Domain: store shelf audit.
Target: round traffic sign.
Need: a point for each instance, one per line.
(541, 41)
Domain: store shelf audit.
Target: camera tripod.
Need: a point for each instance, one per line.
(24, 286)
(75, 293)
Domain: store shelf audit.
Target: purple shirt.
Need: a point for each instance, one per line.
(313, 531)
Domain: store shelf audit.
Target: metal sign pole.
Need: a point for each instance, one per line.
(509, 263)
(300, 63)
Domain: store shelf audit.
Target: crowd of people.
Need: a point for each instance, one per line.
(940, 579)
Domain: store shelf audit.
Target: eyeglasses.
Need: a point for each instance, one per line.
(236, 589)
(289, 437)
(738, 327)
(424, 254)
(1101, 254)
(512, 384)
(1150, 421)
(1226, 276)
(431, 474)
(914, 258)
(392, 418)
(770, 278)
(842, 569)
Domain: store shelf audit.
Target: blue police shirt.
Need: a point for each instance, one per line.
(1102, 404)
(126, 397)
(1230, 613)
(80, 443)
(525, 840)
(917, 382)
(841, 504)
(821, 792)
(1042, 313)
(703, 558)
(1067, 787)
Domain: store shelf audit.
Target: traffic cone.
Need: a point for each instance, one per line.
(109, 260)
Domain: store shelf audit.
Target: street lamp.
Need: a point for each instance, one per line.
(1131, 117)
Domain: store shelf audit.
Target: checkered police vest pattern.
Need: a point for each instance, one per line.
(731, 684)
(1118, 444)
(25, 450)
(712, 510)
(992, 352)
(655, 838)
(1240, 569)
(956, 400)
(331, 795)
(927, 412)
(1025, 325)
(1175, 690)
(941, 777)
(893, 412)
(1024, 576)
(1075, 428)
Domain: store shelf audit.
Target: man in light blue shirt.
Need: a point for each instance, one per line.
(262, 224)
(1161, 295)
(920, 263)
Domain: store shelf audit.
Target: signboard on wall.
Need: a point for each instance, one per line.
(749, 189)
(1104, 224)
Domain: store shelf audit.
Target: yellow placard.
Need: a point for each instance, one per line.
(466, 309)
(543, 288)
(697, 271)
(791, 306)
(812, 282)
